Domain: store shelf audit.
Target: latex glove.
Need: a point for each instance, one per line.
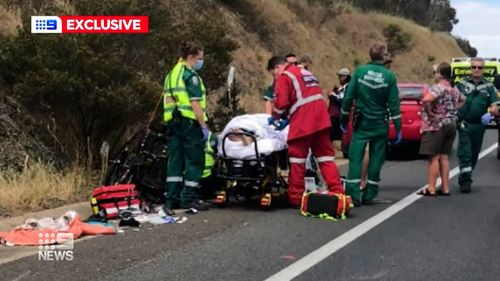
(343, 128)
(344, 119)
(399, 137)
(282, 124)
(205, 133)
(343, 123)
(270, 120)
(486, 118)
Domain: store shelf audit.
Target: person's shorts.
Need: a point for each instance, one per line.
(438, 142)
(335, 132)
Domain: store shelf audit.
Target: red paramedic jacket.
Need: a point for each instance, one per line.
(298, 96)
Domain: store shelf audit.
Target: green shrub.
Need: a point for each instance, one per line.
(226, 109)
(253, 19)
(340, 29)
(329, 9)
(397, 40)
(95, 86)
(465, 46)
(356, 62)
(436, 14)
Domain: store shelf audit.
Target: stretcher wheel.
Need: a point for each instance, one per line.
(231, 184)
(265, 201)
(282, 183)
(221, 199)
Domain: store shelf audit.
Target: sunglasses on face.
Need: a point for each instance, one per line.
(477, 67)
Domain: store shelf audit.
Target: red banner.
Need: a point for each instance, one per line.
(105, 24)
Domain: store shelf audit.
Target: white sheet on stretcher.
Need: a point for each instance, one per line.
(268, 138)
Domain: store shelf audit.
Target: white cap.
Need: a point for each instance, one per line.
(344, 71)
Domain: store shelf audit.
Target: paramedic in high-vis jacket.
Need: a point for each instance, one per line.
(184, 112)
(373, 89)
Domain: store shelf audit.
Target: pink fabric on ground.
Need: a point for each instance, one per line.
(37, 237)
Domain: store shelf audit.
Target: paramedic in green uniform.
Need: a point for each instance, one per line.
(374, 90)
(473, 118)
(267, 96)
(184, 113)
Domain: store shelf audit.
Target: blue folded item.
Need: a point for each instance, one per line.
(106, 224)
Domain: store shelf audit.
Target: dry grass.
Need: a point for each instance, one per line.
(10, 20)
(40, 187)
(416, 65)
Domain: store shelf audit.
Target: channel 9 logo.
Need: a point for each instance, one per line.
(46, 24)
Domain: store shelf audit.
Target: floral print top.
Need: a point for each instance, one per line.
(444, 107)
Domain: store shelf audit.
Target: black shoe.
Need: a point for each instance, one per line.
(97, 218)
(440, 192)
(198, 205)
(294, 206)
(367, 202)
(168, 211)
(465, 188)
(172, 205)
(356, 203)
(129, 222)
(203, 202)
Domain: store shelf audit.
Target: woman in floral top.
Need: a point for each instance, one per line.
(439, 117)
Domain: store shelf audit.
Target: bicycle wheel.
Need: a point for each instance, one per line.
(115, 169)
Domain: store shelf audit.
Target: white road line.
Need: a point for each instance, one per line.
(22, 276)
(315, 257)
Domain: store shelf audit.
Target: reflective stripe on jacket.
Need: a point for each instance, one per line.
(175, 94)
(298, 95)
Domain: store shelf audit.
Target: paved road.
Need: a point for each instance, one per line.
(445, 238)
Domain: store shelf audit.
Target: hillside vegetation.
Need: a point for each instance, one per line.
(264, 28)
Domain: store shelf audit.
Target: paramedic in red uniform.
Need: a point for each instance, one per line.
(298, 97)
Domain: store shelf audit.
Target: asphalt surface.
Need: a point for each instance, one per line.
(444, 238)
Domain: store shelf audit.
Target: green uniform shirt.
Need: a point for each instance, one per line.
(374, 89)
(480, 95)
(193, 84)
(268, 94)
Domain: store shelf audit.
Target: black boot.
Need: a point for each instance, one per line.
(168, 211)
(367, 202)
(465, 188)
(199, 205)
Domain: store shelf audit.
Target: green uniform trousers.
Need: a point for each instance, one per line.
(186, 161)
(374, 133)
(470, 140)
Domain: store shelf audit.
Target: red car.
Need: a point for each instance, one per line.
(410, 95)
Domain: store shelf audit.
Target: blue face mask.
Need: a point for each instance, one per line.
(198, 65)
